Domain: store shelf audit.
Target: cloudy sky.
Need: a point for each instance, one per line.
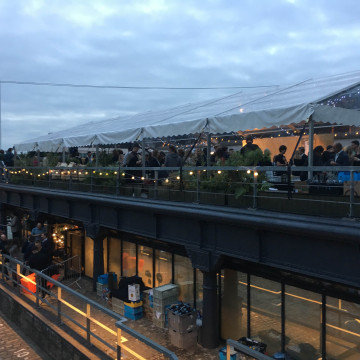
(166, 43)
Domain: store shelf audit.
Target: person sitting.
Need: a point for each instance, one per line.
(341, 157)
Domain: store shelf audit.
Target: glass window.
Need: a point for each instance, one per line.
(129, 259)
(114, 256)
(233, 304)
(89, 256)
(145, 265)
(184, 277)
(163, 267)
(303, 323)
(199, 289)
(342, 329)
(265, 313)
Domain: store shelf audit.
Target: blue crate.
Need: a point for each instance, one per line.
(104, 279)
(135, 316)
(279, 356)
(345, 176)
(222, 354)
(132, 311)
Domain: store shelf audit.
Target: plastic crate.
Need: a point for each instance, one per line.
(134, 304)
(100, 288)
(165, 291)
(345, 176)
(135, 316)
(183, 340)
(118, 309)
(161, 323)
(104, 279)
(173, 299)
(132, 311)
(182, 323)
(222, 354)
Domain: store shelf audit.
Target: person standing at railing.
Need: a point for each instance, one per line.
(37, 230)
(15, 226)
(355, 156)
(280, 160)
(39, 260)
(249, 145)
(9, 158)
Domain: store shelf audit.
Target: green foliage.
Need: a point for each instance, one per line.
(52, 158)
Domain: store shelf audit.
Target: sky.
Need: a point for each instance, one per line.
(162, 43)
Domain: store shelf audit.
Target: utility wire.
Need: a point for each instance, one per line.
(13, 82)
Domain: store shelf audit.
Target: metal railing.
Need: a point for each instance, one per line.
(46, 290)
(239, 186)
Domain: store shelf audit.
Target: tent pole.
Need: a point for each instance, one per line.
(208, 154)
(311, 147)
(97, 156)
(143, 157)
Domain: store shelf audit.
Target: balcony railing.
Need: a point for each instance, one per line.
(329, 191)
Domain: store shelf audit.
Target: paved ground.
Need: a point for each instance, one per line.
(13, 344)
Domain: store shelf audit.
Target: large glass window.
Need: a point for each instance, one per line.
(145, 265)
(114, 256)
(199, 289)
(303, 323)
(265, 300)
(233, 304)
(129, 259)
(342, 329)
(184, 277)
(89, 256)
(163, 267)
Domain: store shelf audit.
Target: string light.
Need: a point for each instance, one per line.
(219, 172)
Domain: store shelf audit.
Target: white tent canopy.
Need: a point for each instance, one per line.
(245, 110)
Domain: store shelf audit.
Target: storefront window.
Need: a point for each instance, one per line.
(342, 329)
(145, 265)
(233, 304)
(184, 277)
(114, 256)
(163, 267)
(199, 289)
(129, 259)
(265, 314)
(303, 323)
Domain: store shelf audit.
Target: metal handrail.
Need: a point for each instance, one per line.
(87, 315)
(53, 177)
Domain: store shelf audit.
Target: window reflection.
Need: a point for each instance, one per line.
(303, 323)
(184, 277)
(145, 265)
(265, 309)
(199, 289)
(163, 267)
(114, 252)
(129, 259)
(342, 329)
(233, 304)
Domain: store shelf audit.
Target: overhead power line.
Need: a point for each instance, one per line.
(34, 83)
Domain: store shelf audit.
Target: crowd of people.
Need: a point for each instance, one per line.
(36, 250)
